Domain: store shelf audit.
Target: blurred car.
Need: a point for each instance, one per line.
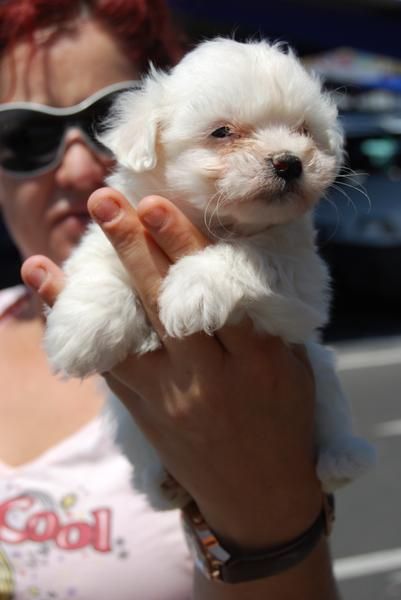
(359, 223)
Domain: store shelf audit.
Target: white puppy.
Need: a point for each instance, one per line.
(243, 139)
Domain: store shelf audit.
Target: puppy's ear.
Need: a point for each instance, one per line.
(131, 130)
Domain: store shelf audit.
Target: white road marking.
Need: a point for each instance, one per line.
(377, 354)
(368, 358)
(388, 428)
(367, 564)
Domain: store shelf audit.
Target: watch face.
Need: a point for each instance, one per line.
(200, 541)
(197, 554)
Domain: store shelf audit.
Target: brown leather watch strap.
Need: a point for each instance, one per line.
(234, 567)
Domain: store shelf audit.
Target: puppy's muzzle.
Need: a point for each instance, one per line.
(287, 166)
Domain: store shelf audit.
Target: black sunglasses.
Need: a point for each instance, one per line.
(32, 135)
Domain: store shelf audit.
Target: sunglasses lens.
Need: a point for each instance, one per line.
(29, 140)
(92, 119)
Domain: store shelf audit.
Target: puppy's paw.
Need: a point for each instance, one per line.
(185, 313)
(344, 461)
(75, 344)
(87, 334)
(192, 299)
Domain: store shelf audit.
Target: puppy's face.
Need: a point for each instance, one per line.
(238, 132)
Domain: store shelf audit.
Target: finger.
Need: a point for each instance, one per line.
(144, 261)
(178, 237)
(239, 338)
(173, 232)
(131, 399)
(136, 370)
(44, 277)
(119, 389)
(136, 406)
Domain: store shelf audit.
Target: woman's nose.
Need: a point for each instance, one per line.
(82, 168)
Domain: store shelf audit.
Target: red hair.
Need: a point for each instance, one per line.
(142, 28)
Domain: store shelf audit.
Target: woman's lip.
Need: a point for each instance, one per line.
(64, 207)
(72, 225)
(80, 218)
(77, 215)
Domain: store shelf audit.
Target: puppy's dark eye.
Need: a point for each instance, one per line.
(222, 132)
(303, 130)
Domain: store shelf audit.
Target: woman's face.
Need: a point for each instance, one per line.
(46, 214)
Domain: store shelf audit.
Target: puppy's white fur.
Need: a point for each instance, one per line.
(263, 262)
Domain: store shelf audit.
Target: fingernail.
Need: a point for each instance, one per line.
(105, 210)
(36, 277)
(155, 218)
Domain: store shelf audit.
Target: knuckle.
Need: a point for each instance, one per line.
(180, 242)
(125, 236)
(178, 414)
(183, 414)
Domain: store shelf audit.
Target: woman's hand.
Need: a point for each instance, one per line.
(231, 414)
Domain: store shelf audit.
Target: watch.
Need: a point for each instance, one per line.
(218, 563)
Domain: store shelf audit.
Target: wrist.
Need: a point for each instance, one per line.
(256, 522)
(220, 562)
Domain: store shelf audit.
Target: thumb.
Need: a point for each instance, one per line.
(44, 277)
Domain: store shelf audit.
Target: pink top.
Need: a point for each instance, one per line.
(73, 527)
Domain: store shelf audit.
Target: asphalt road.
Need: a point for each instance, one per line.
(366, 543)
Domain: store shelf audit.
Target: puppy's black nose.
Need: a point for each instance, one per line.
(287, 166)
